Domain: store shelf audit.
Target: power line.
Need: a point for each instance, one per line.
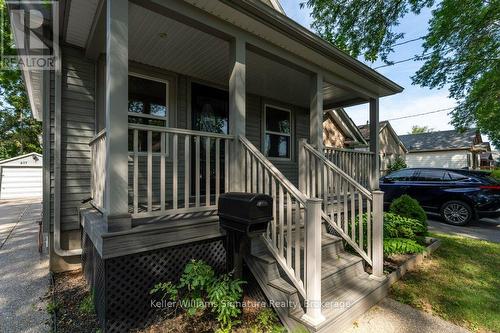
(409, 41)
(420, 114)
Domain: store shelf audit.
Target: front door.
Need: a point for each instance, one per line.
(209, 113)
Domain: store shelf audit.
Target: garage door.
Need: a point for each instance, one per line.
(21, 183)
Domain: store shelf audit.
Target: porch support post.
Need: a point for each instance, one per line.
(378, 236)
(237, 110)
(313, 227)
(316, 112)
(116, 198)
(374, 143)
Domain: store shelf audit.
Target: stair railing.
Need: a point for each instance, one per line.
(350, 209)
(356, 163)
(296, 225)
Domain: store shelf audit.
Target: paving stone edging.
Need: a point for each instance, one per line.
(414, 260)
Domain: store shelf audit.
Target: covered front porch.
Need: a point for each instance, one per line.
(192, 87)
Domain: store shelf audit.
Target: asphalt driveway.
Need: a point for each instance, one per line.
(24, 273)
(486, 229)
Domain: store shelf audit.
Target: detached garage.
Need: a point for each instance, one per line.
(21, 177)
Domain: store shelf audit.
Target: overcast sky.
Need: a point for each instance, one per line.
(414, 99)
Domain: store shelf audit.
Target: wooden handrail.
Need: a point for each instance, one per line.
(97, 136)
(348, 150)
(274, 171)
(179, 131)
(328, 163)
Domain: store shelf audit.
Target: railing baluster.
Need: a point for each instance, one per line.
(162, 174)
(150, 171)
(136, 171)
(289, 229)
(360, 220)
(226, 165)
(254, 174)
(187, 174)
(346, 213)
(207, 171)
(217, 170)
(369, 228)
(273, 222)
(175, 171)
(297, 240)
(197, 172)
(280, 219)
(353, 213)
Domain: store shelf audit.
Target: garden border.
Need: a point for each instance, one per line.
(414, 260)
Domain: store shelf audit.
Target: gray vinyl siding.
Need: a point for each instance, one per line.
(255, 131)
(77, 128)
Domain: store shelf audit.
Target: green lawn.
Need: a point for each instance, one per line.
(460, 282)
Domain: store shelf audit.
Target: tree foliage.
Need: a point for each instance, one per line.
(420, 129)
(19, 131)
(461, 49)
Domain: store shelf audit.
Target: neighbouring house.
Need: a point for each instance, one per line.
(444, 149)
(339, 131)
(21, 177)
(155, 108)
(486, 161)
(391, 147)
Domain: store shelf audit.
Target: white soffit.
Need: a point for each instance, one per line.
(159, 41)
(81, 16)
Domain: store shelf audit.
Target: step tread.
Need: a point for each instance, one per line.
(332, 266)
(283, 286)
(341, 299)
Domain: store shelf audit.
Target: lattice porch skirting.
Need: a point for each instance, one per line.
(121, 285)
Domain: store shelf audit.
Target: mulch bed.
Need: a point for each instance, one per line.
(69, 290)
(205, 322)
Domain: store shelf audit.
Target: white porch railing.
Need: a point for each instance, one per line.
(345, 203)
(356, 163)
(296, 224)
(175, 171)
(98, 169)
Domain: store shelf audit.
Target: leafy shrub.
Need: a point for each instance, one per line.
(495, 174)
(398, 164)
(401, 234)
(406, 206)
(396, 226)
(401, 246)
(199, 286)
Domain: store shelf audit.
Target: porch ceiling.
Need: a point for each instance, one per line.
(163, 42)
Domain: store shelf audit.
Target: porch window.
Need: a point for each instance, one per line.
(277, 136)
(147, 105)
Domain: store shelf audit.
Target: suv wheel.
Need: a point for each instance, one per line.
(456, 213)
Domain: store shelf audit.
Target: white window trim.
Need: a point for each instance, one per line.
(168, 117)
(265, 131)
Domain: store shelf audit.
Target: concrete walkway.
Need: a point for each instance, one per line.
(485, 229)
(24, 273)
(390, 316)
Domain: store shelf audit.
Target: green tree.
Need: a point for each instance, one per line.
(420, 129)
(19, 131)
(461, 49)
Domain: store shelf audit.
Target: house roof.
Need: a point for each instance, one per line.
(365, 131)
(442, 140)
(12, 159)
(346, 124)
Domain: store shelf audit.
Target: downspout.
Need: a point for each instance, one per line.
(57, 162)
